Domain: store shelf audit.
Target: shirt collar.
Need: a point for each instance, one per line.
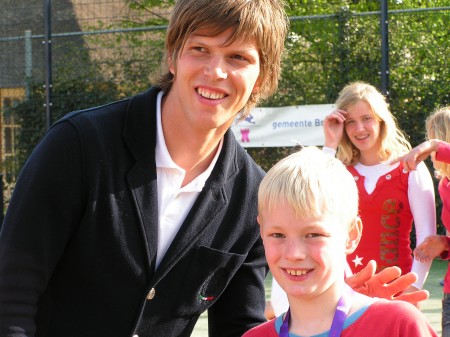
(162, 155)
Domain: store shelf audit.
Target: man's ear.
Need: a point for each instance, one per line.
(171, 64)
(354, 235)
(257, 85)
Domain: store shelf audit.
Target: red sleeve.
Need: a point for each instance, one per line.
(443, 152)
(445, 254)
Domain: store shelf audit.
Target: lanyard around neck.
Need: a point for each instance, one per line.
(342, 310)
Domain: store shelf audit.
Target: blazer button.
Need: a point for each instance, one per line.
(151, 294)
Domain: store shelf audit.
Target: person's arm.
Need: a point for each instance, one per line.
(333, 128)
(421, 152)
(44, 210)
(421, 200)
(443, 151)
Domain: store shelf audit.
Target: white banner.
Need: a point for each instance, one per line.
(284, 126)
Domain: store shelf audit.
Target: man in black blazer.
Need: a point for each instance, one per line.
(133, 218)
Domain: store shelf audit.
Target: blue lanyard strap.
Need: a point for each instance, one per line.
(342, 310)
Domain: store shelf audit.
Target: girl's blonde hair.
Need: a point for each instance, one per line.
(314, 184)
(438, 127)
(393, 140)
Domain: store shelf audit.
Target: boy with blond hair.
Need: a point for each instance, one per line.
(308, 216)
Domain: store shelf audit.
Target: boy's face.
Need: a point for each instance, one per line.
(306, 256)
(213, 81)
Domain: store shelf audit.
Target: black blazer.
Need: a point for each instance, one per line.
(78, 244)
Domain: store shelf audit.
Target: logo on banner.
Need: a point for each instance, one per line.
(245, 132)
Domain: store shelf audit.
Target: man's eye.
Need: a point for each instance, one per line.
(239, 57)
(198, 48)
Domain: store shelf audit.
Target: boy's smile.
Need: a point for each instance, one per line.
(306, 256)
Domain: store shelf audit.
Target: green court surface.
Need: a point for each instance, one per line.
(431, 307)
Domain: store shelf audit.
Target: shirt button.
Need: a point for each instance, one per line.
(356, 178)
(151, 294)
(388, 177)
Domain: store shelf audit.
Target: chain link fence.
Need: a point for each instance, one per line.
(104, 50)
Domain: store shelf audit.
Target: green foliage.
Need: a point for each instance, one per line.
(67, 96)
(330, 44)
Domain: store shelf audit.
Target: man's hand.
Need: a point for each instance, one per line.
(388, 283)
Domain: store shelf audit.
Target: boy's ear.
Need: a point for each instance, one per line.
(258, 218)
(354, 235)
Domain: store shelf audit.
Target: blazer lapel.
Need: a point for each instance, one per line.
(209, 203)
(143, 185)
(140, 136)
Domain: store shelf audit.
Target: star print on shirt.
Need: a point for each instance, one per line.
(357, 261)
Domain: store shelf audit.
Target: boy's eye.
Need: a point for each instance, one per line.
(348, 122)
(367, 118)
(277, 235)
(313, 235)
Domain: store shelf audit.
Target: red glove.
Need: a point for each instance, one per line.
(388, 283)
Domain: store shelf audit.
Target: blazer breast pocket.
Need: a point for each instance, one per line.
(209, 273)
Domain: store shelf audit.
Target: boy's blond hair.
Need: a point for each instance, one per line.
(313, 184)
(438, 127)
(262, 21)
(393, 140)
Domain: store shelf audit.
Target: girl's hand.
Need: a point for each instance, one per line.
(430, 248)
(333, 128)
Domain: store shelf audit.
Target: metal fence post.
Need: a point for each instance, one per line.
(48, 60)
(384, 48)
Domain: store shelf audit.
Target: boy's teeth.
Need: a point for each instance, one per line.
(296, 272)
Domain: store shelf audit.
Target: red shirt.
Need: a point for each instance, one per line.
(382, 318)
(387, 222)
(443, 155)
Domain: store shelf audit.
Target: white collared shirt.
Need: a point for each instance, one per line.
(174, 201)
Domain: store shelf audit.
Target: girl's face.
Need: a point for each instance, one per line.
(363, 129)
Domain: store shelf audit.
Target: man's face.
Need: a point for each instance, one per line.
(213, 81)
